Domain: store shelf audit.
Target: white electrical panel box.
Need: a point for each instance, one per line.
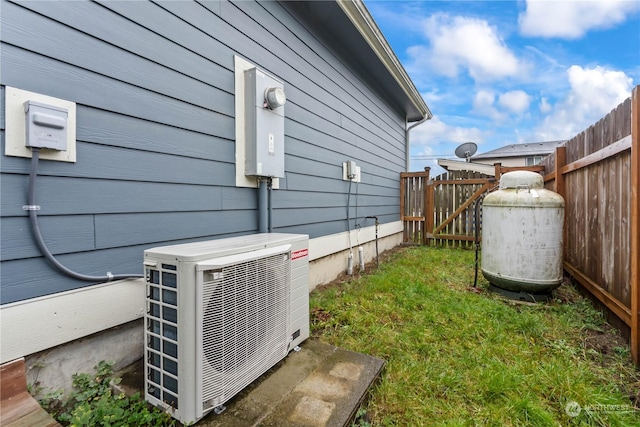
(264, 124)
(46, 126)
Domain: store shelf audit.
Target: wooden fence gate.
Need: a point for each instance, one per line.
(413, 197)
(452, 199)
(441, 211)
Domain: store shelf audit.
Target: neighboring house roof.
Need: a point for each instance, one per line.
(459, 165)
(521, 150)
(358, 37)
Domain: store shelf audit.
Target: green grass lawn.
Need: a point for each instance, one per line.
(460, 356)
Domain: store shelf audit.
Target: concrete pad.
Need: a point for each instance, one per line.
(311, 412)
(347, 370)
(319, 386)
(323, 386)
(331, 383)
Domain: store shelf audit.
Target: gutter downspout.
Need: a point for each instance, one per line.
(407, 140)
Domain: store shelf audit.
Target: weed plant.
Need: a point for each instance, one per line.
(93, 404)
(462, 356)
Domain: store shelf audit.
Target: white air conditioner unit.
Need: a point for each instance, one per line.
(219, 314)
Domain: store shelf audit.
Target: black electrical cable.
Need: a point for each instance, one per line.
(33, 216)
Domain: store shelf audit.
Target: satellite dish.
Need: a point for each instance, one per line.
(466, 150)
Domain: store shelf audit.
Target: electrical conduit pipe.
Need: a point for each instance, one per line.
(32, 207)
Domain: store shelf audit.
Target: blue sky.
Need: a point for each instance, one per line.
(505, 72)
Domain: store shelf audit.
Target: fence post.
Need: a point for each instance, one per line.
(425, 204)
(429, 212)
(498, 171)
(561, 160)
(403, 184)
(635, 224)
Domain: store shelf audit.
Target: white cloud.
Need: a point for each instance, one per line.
(594, 93)
(437, 132)
(464, 43)
(571, 19)
(483, 104)
(483, 99)
(516, 101)
(545, 107)
(487, 103)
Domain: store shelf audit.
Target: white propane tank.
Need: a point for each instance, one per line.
(522, 234)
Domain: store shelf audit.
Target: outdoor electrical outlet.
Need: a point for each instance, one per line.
(350, 171)
(46, 126)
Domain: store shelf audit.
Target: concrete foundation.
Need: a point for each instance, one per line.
(52, 369)
(324, 270)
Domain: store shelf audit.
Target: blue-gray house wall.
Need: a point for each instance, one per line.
(154, 87)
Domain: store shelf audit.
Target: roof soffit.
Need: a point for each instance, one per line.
(352, 32)
(358, 14)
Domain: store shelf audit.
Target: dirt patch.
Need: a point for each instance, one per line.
(320, 315)
(132, 379)
(566, 293)
(607, 346)
(606, 342)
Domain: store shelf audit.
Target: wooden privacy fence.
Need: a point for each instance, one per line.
(597, 173)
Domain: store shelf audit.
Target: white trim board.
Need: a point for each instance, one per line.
(34, 325)
(37, 324)
(328, 245)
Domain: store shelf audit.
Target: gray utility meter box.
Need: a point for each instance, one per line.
(264, 124)
(46, 126)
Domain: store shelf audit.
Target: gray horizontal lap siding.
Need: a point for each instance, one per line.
(154, 87)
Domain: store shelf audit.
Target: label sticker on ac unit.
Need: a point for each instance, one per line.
(299, 254)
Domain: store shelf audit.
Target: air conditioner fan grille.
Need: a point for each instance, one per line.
(244, 325)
